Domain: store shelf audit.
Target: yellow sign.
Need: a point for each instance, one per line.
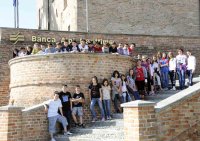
(16, 38)
(43, 39)
(40, 39)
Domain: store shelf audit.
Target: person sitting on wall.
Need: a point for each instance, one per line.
(22, 52)
(36, 48)
(65, 98)
(58, 47)
(131, 49)
(125, 50)
(120, 49)
(90, 46)
(75, 48)
(42, 51)
(66, 46)
(105, 48)
(15, 52)
(97, 47)
(52, 107)
(29, 50)
(77, 106)
(50, 49)
(83, 46)
(113, 48)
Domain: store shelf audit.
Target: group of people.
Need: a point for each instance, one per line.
(162, 68)
(148, 75)
(64, 107)
(74, 47)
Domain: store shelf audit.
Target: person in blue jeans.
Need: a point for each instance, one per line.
(125, 95)
(191, 66)
(95, 96)
(181, 61)
(164, 69)
(116, 90)
(131, 85)
(106, 91)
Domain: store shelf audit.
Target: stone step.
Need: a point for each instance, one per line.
(116, 124)
(117, 116)
(97, 130)
(92, 137)
(107, 123)
(160, 95)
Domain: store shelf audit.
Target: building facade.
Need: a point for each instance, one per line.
(149, 17)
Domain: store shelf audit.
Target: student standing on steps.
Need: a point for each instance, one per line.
(125, 95)
(191, 66)
(52, 107)
(116, 90)
(172, 70)
(131, 85)
(164, 69)
(106, 91)
(95, 96)
(141, 74)
(181, 62)
(65, 98)
(77, 103)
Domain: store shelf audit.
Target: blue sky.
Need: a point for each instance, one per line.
(27, 13)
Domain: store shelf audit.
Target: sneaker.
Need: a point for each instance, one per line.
(82, 125)
(53, 139)
(174, 88)
(67, 133)
(166, 89)
(109, 118)
(94, 119)
(103, 119)
(76, 124)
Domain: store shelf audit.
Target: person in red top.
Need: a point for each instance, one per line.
(141, 75)
(131, 49)
(97, 48)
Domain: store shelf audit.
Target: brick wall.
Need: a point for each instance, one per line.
(154, 17)
(145, 45)
(23, 125)
(11, 123)
(179, 119)
(34, 124)
(173, 119)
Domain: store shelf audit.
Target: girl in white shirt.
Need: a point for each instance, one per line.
(156, 73)
(191, 66)
(125, 95)
(172, 69)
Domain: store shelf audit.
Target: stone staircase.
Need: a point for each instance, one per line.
(110, 130)
(161, 95)
(98, 131)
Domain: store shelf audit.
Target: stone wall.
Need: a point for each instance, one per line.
(173, 119)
